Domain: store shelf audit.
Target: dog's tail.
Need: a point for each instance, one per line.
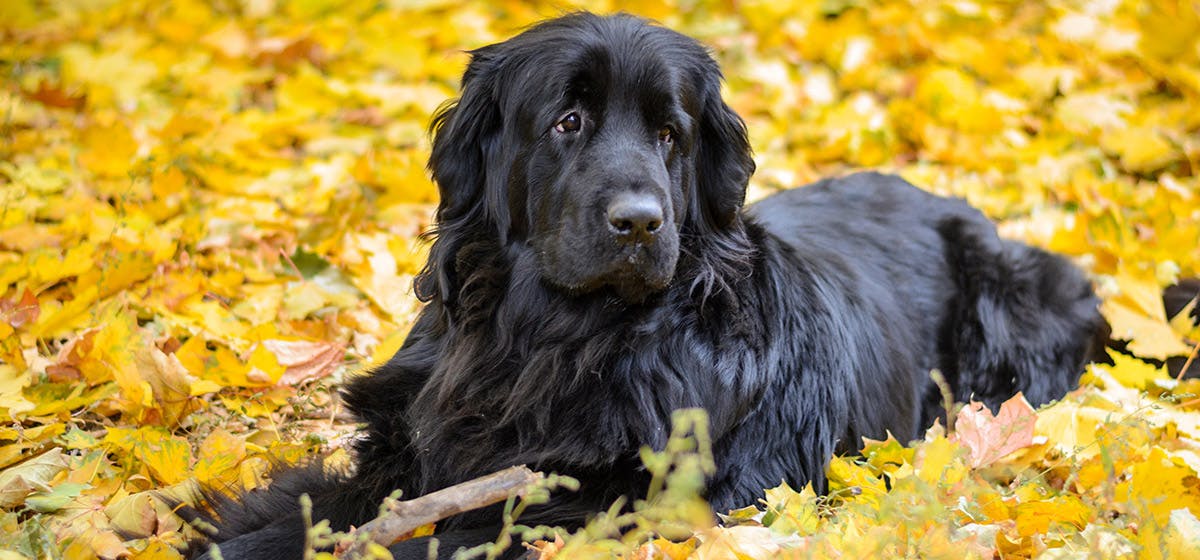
(1029, 320)
(1026, 320)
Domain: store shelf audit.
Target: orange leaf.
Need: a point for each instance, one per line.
(988, 438)
(305, 360)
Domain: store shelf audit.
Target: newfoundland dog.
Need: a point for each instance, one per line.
(593, 269)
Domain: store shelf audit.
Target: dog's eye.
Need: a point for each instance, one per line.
(666, 135)
(569, 123)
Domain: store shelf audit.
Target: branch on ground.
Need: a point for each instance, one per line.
(405, 516)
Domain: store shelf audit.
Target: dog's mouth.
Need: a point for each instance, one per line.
(638, 276)
(635, 274)
(579, 262)
(639, 272)
(636, 292)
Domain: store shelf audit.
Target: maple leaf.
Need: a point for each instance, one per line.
(1161, 485)
(305, 360)
(736, 543)
(852, 482)
(1138, 315)
(987, 437)
(1037, 516)
(791, 512)
(18, 482)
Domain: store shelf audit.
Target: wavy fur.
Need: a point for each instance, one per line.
(801, 325)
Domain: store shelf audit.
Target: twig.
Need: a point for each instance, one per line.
(403, 517)
(943, 386)
(1188, 363)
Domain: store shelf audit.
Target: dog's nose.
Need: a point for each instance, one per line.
(634, 216)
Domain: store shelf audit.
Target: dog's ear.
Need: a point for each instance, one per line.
(723, 159)
(466, 140)
(721, 171)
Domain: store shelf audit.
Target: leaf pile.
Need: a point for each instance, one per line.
(209, 215)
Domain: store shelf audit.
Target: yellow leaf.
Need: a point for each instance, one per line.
(19, 13)
(1159, 485)
(26, 439)
(109, 150)
(56, 320)
(157, 550)
(851, 482)
(263, 367)
(376, 271)
(992, 505)
(663, 548)
(204, 387)
(134, 515)
(167, 456)
(1133, 372)
(1169, 28)
(96, 542)
(216, 319)
(49, 266)
(1141, 149)
(264, 402)
(791, 512)
(261, 304)
(114, 75)
(1072, 429)
(169, 383)
(303, 298)
(1137, 315)
(12, 382)
(107, 354)
(219, 455)
(1183, 323)
(121, 271)
(940, 462)
(887, 456)
(1038, 516)
(1183, 534)
(388, 347)
(743, 542)
(154, 386)
(1141, 292)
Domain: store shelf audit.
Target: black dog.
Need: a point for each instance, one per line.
(594, 270)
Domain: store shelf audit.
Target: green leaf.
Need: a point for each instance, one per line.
(56, 499)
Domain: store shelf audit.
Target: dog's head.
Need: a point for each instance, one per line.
(599, 143)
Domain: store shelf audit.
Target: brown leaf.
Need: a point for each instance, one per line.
(55, 96)
(21, 312)
(305, 360)
(545, 550)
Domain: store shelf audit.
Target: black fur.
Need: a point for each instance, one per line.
(802, 324)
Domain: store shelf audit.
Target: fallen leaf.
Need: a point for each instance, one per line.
(988, 438)
(33, 475)
(305, 360)
(736, 543)
(1137, 315)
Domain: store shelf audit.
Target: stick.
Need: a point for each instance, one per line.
(403, 517)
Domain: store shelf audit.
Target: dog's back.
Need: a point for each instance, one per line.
(995, 316)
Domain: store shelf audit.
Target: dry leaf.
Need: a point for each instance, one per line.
(988, 438)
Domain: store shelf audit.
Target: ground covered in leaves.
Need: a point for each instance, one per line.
(209, 211)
